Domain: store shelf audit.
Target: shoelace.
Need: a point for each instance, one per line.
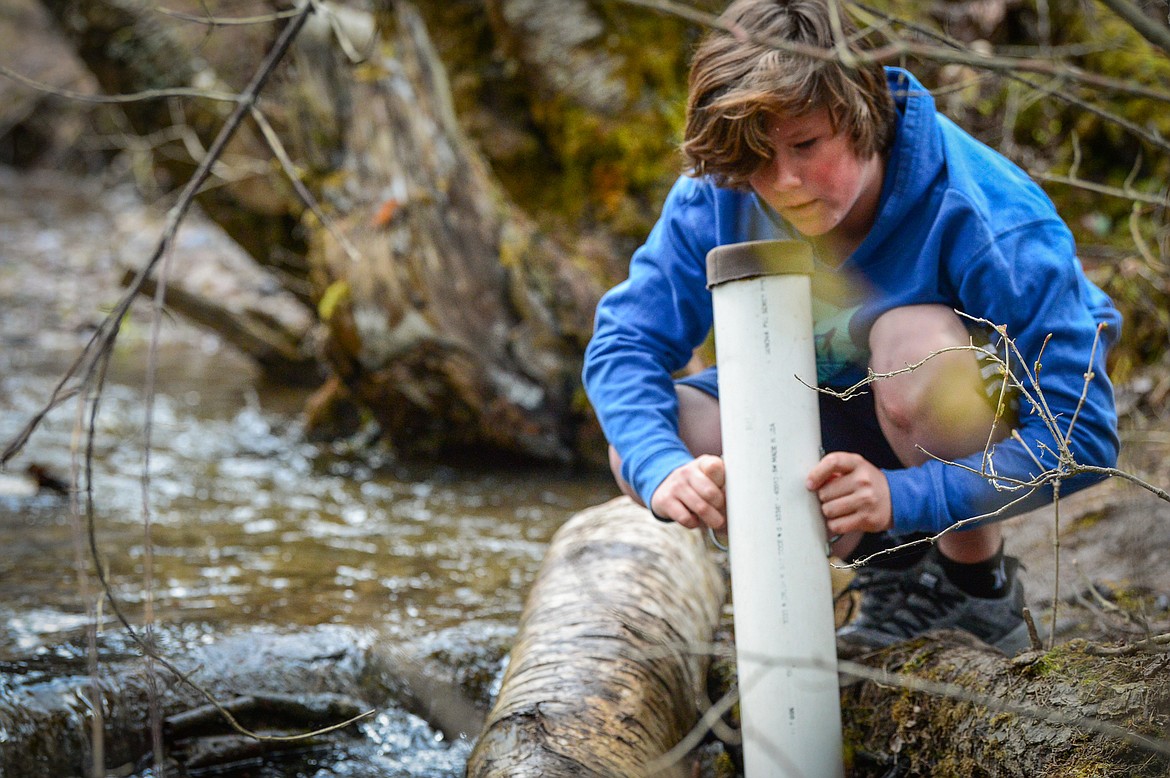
(866, 580)
(925, 602)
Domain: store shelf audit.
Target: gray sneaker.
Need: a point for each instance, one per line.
(878, 594)
(927, 600)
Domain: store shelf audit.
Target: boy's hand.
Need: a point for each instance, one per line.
(693, 494)
(854, 494)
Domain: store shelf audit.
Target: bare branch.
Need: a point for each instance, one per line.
(1162, 200)
(707, 722)
(956, 692)
(1065, 466)
(952, 53)
(1144, 25)
(1089, 375)
(1056, 564)
(932, 539)
(89, 369)
(1114, 472)
(958, 53)
(226, 21)
(1159, 643)
(903, 680)
(290, 172)
(136, 97)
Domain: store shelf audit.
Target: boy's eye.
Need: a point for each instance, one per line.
(805, 145)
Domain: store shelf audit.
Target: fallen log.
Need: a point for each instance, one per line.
(947, 706)
(448, 314)
(47, 705)
(604, 676)
(599, 682)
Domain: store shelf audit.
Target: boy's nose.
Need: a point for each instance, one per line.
(783, 175)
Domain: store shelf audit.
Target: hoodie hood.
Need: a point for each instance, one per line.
(913, 167)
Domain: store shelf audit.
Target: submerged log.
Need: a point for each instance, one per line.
(47, 705)
(273, 684)
(609, 662)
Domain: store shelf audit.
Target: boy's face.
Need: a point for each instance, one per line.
(816, 181)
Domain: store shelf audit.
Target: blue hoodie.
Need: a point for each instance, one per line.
(957, 225)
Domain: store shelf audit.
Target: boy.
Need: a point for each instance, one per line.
(910, 220)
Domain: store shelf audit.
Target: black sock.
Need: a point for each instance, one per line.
(898, 560)
(987, 579)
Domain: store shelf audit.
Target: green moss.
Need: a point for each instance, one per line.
(1056, 662)
(563, 162)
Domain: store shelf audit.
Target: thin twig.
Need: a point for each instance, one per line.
(100, 571)
(1089, 376)
(134, 97)
(952, 52)
(1136, 18)
(1153, 643)
(955, 692)
(902, 680)
(148, 617)
(1139, 240)
(97, 719)
(1055, 561)
(228, 21)
(1065, 466)
(696, 734)
(290, 172)
(1114, 472)
(932, 539)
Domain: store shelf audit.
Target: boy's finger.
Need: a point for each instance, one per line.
(832, 464)
(820, 474)
(712, 467)
(685, 516)
(712, 516)
(709, 491)
(706, 503)
(842, 525)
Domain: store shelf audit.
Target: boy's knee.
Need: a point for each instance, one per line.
(946, 380)
(912, 334)
(936, 391)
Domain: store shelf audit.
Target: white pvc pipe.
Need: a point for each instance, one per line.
(786, 650)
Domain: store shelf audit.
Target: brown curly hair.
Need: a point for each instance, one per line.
(743, 76)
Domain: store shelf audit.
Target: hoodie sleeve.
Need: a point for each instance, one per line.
(645, 329)
(1030, 281)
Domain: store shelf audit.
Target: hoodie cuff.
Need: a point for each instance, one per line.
(916, 501)
(654, 471)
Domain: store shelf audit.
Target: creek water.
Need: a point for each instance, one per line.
(250, 525)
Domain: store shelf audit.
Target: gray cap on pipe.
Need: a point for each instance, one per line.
(738, 261)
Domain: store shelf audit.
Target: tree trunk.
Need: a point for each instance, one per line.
(452, 319)
(449, 316)
(611, 654)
